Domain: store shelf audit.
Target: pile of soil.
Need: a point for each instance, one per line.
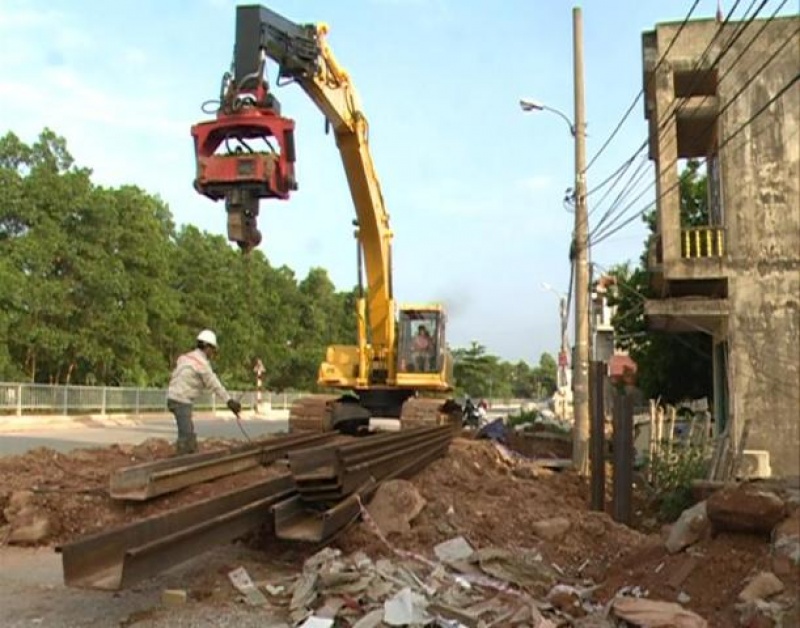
(71, 490)
(478, 493)
(712, 574)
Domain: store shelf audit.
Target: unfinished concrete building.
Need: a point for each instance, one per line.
(736, 278)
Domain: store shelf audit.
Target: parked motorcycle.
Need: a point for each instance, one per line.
(473, 416)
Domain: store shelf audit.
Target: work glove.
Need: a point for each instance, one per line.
(234, 406)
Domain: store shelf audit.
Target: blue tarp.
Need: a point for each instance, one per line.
(496, 430)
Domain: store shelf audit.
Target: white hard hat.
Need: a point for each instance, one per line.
(207, 336)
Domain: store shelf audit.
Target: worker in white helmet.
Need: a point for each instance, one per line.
(192, 376)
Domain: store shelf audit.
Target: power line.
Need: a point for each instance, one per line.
(641, 92)
(761, 109)
(610, 232)
(675, 110)
(599, 233)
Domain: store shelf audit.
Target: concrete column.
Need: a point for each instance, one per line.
(666, 150)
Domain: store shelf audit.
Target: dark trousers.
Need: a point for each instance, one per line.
(187, 439)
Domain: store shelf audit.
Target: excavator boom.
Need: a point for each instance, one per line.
(383, 379)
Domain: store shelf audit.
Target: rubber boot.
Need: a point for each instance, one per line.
(186, 445)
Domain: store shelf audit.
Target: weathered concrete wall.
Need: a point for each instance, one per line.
(761, 191)
(760, 170)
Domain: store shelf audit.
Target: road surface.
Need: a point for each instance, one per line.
(64, 436)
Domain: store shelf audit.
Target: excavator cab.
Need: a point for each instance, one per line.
(423, 358)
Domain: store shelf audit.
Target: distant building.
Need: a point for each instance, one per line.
(736, 278)
(620, 367)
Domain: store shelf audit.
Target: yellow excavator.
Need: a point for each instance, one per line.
(401, 368)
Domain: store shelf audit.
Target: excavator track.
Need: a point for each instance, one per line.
(315, 413)
(426, 411)
(312, 414)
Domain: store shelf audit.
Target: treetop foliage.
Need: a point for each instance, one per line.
(99, 286)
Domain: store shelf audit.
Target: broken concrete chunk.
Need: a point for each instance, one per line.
(644, 612)
(395, 505)
(361, 561)
(29, 529)
(690, 527)
(743, 509)
(762, 586)
(241, 580)
(305, 591)
(454, 550)
(173, 597)
(786, 545)
(372, 619)
(521, 567)
(330, 609)
(404, 608)
(762, 614)
(28, 524)
(19, 500)
(322, 557)
(551, 529)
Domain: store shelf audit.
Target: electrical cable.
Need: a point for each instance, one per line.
(674, 110)
(641, 92)
(600, 234)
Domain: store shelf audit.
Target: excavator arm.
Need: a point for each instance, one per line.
(303, 56)
(394, 360)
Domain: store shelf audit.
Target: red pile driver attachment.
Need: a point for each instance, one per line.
(230, 168)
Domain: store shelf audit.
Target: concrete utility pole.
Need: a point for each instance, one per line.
(580, 377)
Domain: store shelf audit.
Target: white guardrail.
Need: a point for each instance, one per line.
(51, 399)
(47, 399)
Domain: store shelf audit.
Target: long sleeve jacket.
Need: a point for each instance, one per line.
(193, 375)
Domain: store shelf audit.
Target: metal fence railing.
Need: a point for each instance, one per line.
(51, 399)
(46, 399)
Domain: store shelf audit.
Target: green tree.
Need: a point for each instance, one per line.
(673, 366)
(40, 193)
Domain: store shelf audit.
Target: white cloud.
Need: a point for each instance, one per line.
(535, 183)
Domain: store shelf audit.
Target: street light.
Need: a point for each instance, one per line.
(579, 253)
(528, 105)
(564, 351)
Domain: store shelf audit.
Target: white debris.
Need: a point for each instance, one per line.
(241, 580)
(406, 607)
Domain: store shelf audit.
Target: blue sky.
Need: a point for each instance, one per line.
(474, 187)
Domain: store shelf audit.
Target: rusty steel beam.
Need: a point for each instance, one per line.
(118, 558)
(324, 461)
(295, 521)
(356, 472)
(145, 481)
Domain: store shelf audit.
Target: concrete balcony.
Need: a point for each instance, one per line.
(687, 314)
(703, 243)
(697, 266)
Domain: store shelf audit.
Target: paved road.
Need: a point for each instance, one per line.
(66, 437)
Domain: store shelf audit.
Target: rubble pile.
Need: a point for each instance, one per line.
(494, 500)
(479, 537)
(734, 559)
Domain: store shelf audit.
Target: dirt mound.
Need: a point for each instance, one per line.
(712, 574)
(71, 490)
(477, 492)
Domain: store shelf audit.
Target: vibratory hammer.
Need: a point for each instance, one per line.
(246, 153)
